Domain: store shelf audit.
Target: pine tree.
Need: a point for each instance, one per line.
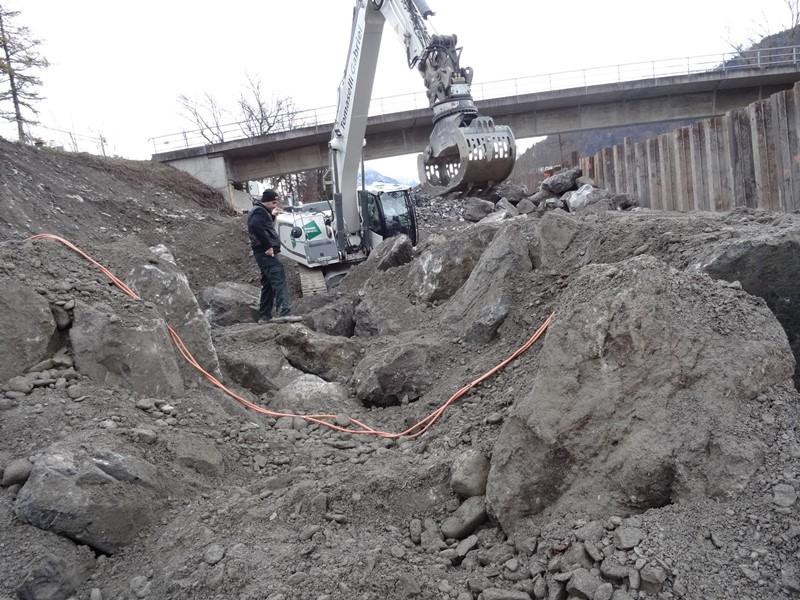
(19, 63)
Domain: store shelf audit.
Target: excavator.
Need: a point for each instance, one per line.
(466, 151)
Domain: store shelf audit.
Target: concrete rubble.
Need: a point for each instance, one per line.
(645, 448)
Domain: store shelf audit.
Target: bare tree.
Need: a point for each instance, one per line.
(794, 16)
(207, 115)
(260, 116)
(311, 185)
(760, 36)
(19, 63)
(102, 140)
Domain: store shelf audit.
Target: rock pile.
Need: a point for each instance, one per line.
(571, 191)
(645, 448)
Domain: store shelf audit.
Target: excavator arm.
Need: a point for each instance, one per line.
(467, 151)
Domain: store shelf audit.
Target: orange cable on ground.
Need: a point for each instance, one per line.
(324, 420)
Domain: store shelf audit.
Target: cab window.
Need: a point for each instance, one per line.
(395, 211)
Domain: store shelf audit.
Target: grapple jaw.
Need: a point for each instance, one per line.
(466, 151)
(465, 158)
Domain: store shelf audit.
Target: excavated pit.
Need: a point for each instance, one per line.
(769, 271)
(668, 396)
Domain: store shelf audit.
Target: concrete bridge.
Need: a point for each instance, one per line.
(685, 94)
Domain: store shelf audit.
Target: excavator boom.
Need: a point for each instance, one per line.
(466, 151)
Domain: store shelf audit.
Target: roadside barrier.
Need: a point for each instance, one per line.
(356, 426)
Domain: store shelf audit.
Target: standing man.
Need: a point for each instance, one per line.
(266, 245)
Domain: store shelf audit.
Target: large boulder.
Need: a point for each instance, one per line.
(375, 317)
(27, 325)
(564, 242)
(445, 263)
(134, 352)
(91, 492)
(330, 357)
(56, 576)
(526, 206)
(334, 318)
(590, 198)
(497, 216)
(644, 393)
(157, 279)
(505, 205)
(230, 302)
(586, 196)
(309, 394)
(511, 192)
(392, 252)
(251, 357)
(540, 197)
(260, 369)
(384, 377)
(481, 305)
(468, 474)
(476, 209)
(563, 181)
(765, 266)
(199, 454)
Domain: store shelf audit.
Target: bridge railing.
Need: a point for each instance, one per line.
(723, 63)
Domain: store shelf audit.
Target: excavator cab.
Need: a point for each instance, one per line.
(389, 212)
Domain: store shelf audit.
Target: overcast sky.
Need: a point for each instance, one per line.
(118, 66)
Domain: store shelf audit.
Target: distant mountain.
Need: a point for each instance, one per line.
(409, 181)
(372, 176)
(782, 39)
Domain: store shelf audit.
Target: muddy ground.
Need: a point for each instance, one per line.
(645, 447)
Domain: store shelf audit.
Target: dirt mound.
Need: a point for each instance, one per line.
(644, 396)
(89, 199)
(645, 449)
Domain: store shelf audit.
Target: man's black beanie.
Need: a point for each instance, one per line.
(269, 195)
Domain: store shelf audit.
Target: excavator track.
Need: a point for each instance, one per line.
(312, 281)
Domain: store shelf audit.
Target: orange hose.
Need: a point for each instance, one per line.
(323, 420)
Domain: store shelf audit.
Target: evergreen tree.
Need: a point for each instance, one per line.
(19, 63)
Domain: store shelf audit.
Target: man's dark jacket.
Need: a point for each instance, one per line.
(261, 227)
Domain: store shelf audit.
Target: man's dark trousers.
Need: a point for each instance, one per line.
(273, 287)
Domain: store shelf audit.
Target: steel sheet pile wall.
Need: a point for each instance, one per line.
(748, 157)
